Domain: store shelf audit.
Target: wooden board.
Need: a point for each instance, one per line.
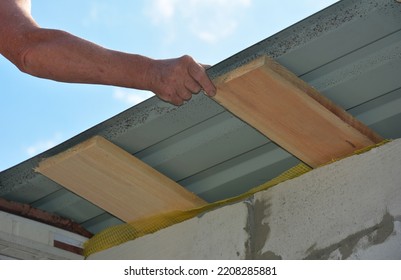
(291, 113)
(116, 181)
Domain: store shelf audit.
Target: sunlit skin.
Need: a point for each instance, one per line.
(61, 56)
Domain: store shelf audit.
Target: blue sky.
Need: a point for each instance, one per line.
(37, 114)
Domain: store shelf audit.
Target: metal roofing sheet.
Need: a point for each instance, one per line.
(351, 52)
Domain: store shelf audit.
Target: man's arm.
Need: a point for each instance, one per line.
(60, 56)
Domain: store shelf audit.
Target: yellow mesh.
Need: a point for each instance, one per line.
(119, 234)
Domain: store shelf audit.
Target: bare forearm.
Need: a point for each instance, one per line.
(60, 56)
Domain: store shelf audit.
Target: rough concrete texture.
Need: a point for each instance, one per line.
(217, 235)
(349, 209)
(346, 210)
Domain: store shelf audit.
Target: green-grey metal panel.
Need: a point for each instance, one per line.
(349, 51)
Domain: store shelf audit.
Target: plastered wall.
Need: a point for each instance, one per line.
(350, 209)
(22, 238)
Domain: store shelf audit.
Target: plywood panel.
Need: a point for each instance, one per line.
(291, 113)
(116, 181)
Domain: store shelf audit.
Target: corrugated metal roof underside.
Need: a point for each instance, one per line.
(351, 52)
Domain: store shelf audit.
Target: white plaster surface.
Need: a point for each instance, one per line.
(22, 238)
(218, 234)
(348, 209)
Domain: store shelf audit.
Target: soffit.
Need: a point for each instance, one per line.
(350, 52)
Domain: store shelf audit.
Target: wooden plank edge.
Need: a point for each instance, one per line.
(46, 163)
(284, 74)
(98, 141)
(128, 158)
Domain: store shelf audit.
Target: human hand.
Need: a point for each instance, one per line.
(175, 80)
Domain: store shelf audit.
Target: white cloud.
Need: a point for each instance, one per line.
(161, 10)
(208, 20)
(43, 145)
(130, 96)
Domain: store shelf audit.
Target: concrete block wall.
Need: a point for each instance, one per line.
(350, 209)
(22, 238)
